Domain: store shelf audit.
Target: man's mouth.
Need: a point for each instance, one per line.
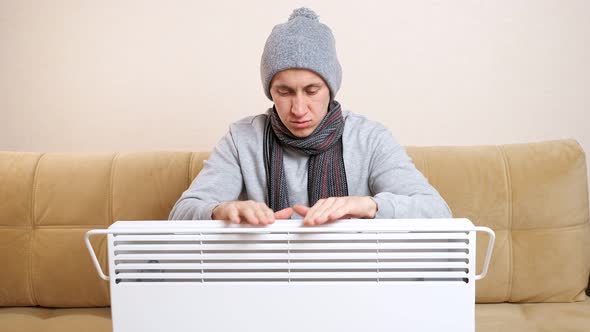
(301, 124)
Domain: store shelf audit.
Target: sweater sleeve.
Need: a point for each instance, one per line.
(400, 190)
(220, 180)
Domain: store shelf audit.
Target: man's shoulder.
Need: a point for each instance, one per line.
(249, 124)
(252, 120)
(361, 125)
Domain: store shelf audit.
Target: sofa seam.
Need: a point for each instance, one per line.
(510, 222)
(188, 169)
(567, 228)
(110, 198)
(105, 260)
(110, 204)
(31, 238)
(21, 227)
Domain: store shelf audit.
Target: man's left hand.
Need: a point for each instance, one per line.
(334, 208)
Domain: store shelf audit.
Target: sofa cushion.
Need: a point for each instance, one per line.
(47, 203)
(533, 317)
(70, 196)
(16, 192)
(535, 197)
(35, 319)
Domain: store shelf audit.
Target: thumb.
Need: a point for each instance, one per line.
(301, 209)
(284, 213)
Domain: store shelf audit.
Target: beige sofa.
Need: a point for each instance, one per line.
(535, 197)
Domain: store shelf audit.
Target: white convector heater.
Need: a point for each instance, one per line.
(350, 275)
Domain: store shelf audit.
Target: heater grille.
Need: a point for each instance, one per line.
(344, 276)
(291, 256)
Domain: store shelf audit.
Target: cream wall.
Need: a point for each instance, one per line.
(171, 75)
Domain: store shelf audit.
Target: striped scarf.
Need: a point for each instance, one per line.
(326, 176)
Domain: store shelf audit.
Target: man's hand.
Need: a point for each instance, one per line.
(251, 212)
(334, 208)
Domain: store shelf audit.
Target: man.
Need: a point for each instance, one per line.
(305, 157)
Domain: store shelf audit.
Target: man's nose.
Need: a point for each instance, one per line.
(298, 107)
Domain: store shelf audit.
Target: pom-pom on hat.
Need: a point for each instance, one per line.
(301, 42)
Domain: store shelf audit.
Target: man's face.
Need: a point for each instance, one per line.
(301, 98)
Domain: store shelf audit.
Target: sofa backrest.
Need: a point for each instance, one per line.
(534, 196)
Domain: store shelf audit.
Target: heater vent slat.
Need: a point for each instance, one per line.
(291, 275)
(294, 256)
(291, 265)
(410, 236)
(237, 247)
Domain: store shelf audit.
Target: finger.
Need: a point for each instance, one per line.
(284, 213)
(337, 211)
(316, 213)
(249, 215)
(268, 214)
(301, 210)
(260, 215)
(233, 215)
(309, 217)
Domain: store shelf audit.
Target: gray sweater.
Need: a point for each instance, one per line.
(376, 165)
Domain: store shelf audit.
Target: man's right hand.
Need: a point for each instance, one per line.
(251, 212)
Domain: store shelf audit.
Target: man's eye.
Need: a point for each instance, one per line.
(312, 92)
(283, 93)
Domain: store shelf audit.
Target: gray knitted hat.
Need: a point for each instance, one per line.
(301, 42)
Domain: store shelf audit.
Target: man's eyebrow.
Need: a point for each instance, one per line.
(314, 85)
(284, 87)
